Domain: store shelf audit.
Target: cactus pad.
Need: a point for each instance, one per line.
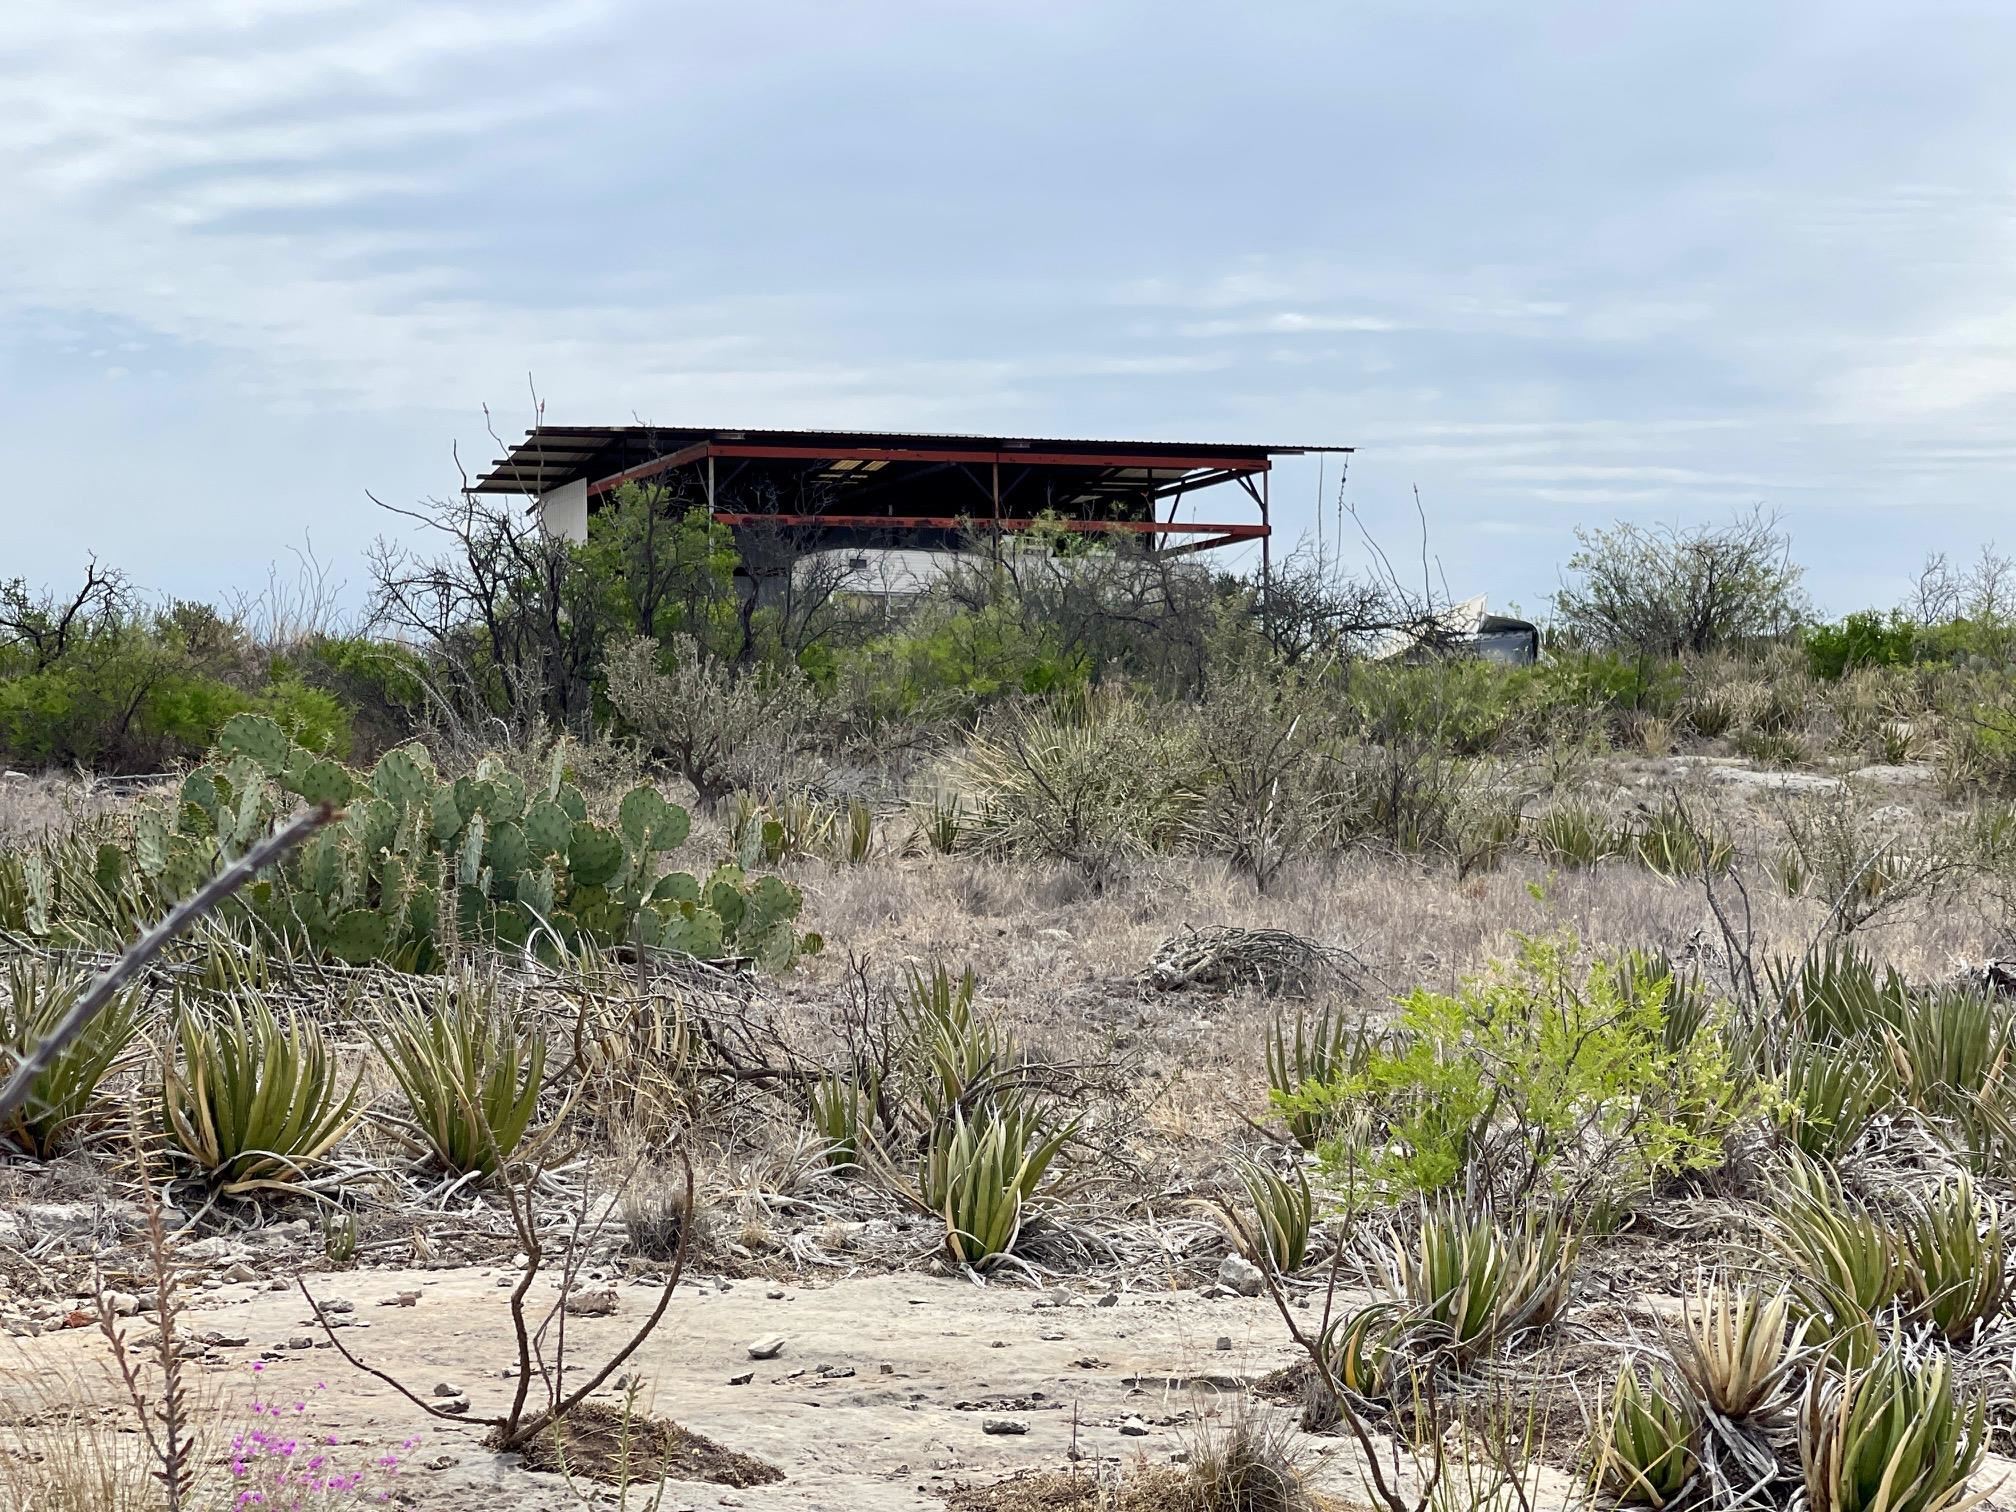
(594, 854)
(257, 737)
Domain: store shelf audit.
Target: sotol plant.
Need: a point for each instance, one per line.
(1891, 1437)
(470, 1073)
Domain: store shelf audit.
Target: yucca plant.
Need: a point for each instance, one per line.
(1956, 1260)
(857, 833)
(1827, 1094)
(469, 1070)
(1647, 1448)
(939, 822)
(981, 1176)
(1669, 843)
(1320, 1049)
(1736, 1349)
(254, 1100)
(1836, 994)
(955, 1050)
(1282, 1213)
(1474, 1282)
(1836, 1239)
(1949, 1046)
(1576, 834)
(843, 1114)
(63, 1098)
(1892, 1436)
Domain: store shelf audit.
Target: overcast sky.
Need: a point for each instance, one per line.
(1550, 263)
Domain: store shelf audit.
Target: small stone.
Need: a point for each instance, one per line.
(597, 1303)
(885, 1368)
(338, 1305)
(1003, 1426)
(767, 1348)
(743, 1379)
(240, 1273)
(442, 1462)
(1224, 1343)
(775, 1294)
(446, 1389)
(1242, 1275)
(123, 1304)
(1215, 1294)
(279, 1283)
(455, 1406)
(1133, 1427)
(301, 1341)
(400, 1299)
(1111, 1299)
(219, 1340)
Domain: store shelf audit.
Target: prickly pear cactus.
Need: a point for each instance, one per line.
(419, 867)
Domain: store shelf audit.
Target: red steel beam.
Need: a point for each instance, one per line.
(953, 522)
(1177, 463)
(655, 466)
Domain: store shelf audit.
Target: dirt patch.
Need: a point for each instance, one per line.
(601, 1442)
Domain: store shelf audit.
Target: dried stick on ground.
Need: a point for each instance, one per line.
(14, 1096)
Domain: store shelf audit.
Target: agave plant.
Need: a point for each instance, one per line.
(1948, 1046)
(1836, 1239)
(980, 1178)
(1475, 1283)
(1956, 1260)
(1319, 1050)
(843, 1112)
(1827, 1094)
(1364, 1349)
(1283, 1211)
(64, 1097)
(1735, 1349)
(954, 1049)
(469, 1072)
(254, 1100)
(1837, 994)
(1647, 1448)
(1891, 1437)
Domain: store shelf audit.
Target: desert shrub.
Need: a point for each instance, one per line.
(1252, 1463)
(469, 1072)
(1668, 590)
(718, 727)
(1864, 860)
(1550, 1072)
(1259, 732)
(64, 1098)
(1090, 785)
(254, 1100)
(1866, 639)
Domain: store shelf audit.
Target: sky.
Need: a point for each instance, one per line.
(1548, 264)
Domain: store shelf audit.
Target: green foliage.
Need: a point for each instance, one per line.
(1892, 1436)
(1867, 639)
(1835, 994)
(1577, 834)
(469, 1072)
(1736, 1349)
(1670, 841)
(254, 1100)
(1827, 1093)
(1647, 1447)
(842, 1111)
(1322, 1050)
(1547, 1072)
(64, 1099)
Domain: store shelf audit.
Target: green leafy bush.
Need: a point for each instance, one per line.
(1547, 1073)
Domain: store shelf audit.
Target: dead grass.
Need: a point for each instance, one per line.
(601, 1442)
